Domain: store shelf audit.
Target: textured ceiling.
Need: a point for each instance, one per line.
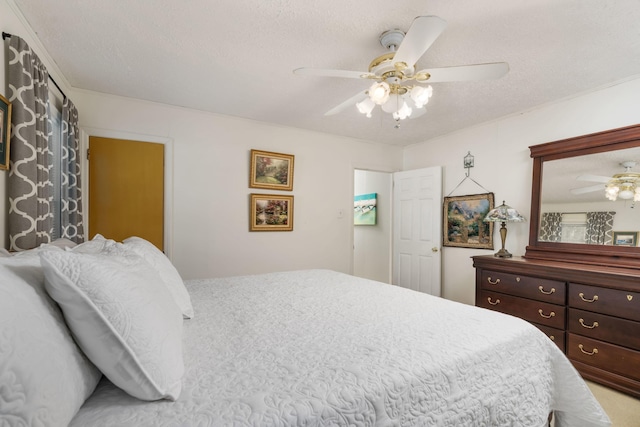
(236, 57)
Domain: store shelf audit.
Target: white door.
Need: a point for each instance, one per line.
(417, 229)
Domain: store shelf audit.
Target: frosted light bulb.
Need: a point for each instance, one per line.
(420, 96)
(379, 92)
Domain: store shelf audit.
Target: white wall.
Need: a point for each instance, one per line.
(504, 167)
(372, 243)
(210, 186)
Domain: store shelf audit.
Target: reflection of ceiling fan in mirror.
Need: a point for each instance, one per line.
(399, 89)
(624, 185)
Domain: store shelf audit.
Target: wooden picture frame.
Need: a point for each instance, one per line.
(625, 238)
(464, 225)
(273, 171)
(5, 132)
(270, 212)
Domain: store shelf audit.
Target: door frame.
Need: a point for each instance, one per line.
(87, 132)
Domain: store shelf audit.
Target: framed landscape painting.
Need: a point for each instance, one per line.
(269, 170)
(463, 221)
(5, 132)
(271, 212)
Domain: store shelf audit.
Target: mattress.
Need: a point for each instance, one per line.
(321, 348)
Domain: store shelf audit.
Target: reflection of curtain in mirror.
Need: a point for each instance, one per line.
(599, 226)
(550, 227)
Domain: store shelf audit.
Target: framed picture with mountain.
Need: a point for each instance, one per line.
(464, 225)
(273, 171)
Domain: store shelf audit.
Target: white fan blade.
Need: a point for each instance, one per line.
(594, 178)
(463, 73)
(349, 102)
(321, 72)
(418, 112)
(590, 189)
(423, 32)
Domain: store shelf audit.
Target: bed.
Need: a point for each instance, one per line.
(313, 348)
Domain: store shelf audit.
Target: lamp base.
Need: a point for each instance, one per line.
(503, 253)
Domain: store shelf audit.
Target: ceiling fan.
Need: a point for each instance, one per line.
(625, 185)
(398, 88)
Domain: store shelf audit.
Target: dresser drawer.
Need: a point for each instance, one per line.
(605, 328)
(555, 335)
(551, 291)
(534, 311)
(608, 357)
(607, 301)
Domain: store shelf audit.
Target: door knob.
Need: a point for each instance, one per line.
(434, 249)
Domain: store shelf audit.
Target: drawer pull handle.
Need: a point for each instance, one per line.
(518, 279)
(595, 324)
(594, 299)
(546, 292)
(552, 337)
(493, 282)
(629, 297)
(549, 316)
(492, 302)
(589, 353)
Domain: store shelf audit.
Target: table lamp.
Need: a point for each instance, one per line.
(503, 213)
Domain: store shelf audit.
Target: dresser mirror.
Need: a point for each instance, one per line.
(574, 216)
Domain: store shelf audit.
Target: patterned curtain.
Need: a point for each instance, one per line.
(71, 203)
(551, 227)
(30, 189)
(599, 226)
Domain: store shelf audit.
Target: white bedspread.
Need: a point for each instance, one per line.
(320, 348)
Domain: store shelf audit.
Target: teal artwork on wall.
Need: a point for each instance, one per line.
(364, 209)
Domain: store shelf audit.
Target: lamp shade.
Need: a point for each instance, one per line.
(379, 92)
(503, 213)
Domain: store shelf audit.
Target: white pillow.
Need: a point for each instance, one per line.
(44, 376)
(62, 243)
(167, 271)
(93, 246)
(126, 323)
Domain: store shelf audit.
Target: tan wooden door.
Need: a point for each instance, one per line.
(126, 189)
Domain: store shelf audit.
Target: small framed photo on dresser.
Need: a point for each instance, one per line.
(625, 238)
(5, 132)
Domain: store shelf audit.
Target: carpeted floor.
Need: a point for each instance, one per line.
(623, 410)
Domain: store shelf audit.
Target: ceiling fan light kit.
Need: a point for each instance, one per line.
(625, 186)
(397, 87)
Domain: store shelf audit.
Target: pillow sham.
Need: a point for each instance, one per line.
(62, 243)
(94, 246)
(125, 323)
(44, 376)
(167, 271)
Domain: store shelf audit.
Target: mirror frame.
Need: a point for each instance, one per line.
(620, 256)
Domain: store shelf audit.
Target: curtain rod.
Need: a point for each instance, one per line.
(7, 36)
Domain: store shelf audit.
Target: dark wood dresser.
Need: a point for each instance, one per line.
(591, 312)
